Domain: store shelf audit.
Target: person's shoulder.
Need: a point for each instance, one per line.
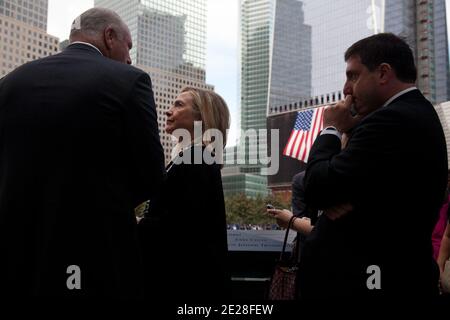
(412, 102)
(298, 178)
(122, 68)
(397, 109)
(409, 112)
(414, 110)
(33, 63)
(105, 66)
(26, 70)
(123, 76)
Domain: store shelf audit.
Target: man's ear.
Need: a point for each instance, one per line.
(385, 72)
(108, 36)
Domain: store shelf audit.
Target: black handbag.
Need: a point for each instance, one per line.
(283, 285)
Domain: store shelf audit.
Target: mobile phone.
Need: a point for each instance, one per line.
(269, 206)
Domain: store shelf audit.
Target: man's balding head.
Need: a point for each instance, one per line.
(104, 29)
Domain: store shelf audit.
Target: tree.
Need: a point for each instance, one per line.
(245, 210)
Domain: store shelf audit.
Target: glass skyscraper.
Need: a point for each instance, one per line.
(290, 55)
(275, 67)
(275, 59)
(423, 24)
(441, 81)
(255, 35)
(335, 26)
(338, 24)
(169, 42)
(236, 180)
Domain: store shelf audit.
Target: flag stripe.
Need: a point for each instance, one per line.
(289, 144)
(304, 147)
(297, 143)
(294, 138)
(301, 145)
(314, 126)
(307, 126)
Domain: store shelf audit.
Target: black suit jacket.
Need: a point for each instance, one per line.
(394, 173)
(79, 149)
(184, 235)
(298, 195)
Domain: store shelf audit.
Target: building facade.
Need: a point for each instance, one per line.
(31, 12)
(338, 24)
(23, 35)
(335, 26)
(169, 43)
(443, 111)
(236, 180)
(423, 24)
(275, 68)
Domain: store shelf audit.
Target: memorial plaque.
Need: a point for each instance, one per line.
(259, 240)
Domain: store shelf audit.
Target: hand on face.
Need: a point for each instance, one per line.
(340, 115)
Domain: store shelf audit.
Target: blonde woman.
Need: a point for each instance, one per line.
(184, 232)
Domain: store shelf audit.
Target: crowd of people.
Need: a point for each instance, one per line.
(81, 150)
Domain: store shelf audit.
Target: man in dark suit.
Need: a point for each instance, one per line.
(374, 239)
(79, 150)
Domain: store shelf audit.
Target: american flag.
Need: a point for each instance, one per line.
(307, 126)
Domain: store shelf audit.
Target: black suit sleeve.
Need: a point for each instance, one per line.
(334, 176)
(298, 194)
(146, 156)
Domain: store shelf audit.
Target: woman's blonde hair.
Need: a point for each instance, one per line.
(212, 110)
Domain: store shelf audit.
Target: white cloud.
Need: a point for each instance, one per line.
(62, 13)
(223, 22)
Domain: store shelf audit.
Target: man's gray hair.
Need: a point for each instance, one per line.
(94, 21)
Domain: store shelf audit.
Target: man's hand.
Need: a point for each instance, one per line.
(338, 211)
(339, 115)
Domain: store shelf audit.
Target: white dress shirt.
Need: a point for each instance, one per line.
(87, 44)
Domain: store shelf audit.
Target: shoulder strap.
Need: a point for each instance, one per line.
(286, 236)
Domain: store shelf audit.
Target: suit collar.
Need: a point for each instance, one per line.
(78, 45)
(398, 95)
(405, 94)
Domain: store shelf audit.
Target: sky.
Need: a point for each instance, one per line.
(222, 45)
